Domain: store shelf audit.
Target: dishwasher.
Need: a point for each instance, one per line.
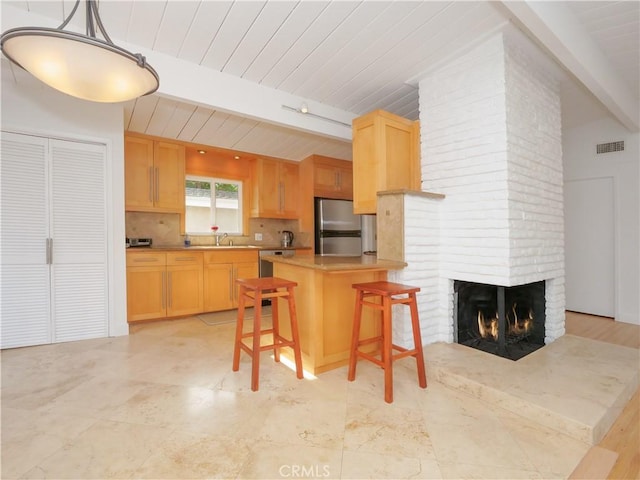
(265, 268)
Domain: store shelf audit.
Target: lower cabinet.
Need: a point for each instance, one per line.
(221, 269)
(163, 285)
(180, 283)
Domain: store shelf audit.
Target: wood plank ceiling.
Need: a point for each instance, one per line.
(353, 55)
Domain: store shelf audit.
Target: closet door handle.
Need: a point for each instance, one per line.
(170, 289)
(48, 251)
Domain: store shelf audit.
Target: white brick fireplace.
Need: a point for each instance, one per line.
(491, 143)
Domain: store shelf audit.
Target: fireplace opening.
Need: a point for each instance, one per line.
(504, 321)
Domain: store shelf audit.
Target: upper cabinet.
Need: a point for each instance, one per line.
(332, 178)
(154, 175)
(386, 156)
(275, 192)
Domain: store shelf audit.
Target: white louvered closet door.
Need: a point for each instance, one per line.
(24, 230)
(79, 248)
(52, 191)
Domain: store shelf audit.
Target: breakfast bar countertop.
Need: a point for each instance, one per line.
(330, 263)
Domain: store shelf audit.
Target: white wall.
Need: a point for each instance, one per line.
(31, 107)
(581, 163)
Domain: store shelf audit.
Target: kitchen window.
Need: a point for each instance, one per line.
(213, 201)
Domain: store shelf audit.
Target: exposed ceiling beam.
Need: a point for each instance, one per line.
(191, 83)
(555, 27)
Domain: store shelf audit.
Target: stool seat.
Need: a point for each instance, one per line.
(388, 294)
(255, 290)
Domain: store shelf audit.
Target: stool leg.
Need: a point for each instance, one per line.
(355, 336)
(386, 349)
(295, 336)
(255, 353)
(417, 341)
(239, 325)
(275, 322)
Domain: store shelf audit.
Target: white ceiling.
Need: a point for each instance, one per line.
(351, 56)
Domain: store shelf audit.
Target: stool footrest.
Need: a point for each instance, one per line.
(367, 341)
(271, 294)
(263, 348)
(262, 332)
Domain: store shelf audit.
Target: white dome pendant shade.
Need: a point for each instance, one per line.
(80, 65)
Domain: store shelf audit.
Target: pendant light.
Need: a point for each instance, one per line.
(80, 65)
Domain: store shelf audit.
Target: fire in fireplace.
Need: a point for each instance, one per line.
(504, 321)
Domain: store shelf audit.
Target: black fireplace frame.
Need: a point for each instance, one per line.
(492, 299)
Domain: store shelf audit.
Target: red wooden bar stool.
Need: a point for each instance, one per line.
(254, 290)
(390, 295)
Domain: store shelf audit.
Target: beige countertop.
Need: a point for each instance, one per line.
(337, 263)
(211, 247)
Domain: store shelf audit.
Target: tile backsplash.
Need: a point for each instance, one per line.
(164, 229)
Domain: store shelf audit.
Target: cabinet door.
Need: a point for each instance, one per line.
(218, 283)
(138, 173)
(184, 290)
(345, 182)
(325, 180)
(169, 176)
(289, 188)
(365, 166)
(146, 293)
(332, 179)
(268, 189)
(243, 270)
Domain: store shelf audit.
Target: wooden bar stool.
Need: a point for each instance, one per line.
(389, 293)
(255, 290)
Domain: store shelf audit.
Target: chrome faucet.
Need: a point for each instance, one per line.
(224, 235)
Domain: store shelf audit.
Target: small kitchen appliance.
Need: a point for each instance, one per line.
(138, 242)
(287, 239)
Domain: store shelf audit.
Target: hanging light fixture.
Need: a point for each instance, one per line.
(80, 65)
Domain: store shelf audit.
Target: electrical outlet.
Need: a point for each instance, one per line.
(258, 237)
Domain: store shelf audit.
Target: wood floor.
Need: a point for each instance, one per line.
(624, 436)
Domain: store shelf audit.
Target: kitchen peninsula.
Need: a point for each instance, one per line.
(325, 304)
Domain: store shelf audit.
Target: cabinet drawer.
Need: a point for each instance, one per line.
(146, 259)
(184, 258)
(231, 257)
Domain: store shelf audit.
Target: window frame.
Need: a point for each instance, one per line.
(212, 209)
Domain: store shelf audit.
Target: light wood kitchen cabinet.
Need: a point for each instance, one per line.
(154, 175)
(385, 157)
(332, 178)
(221, 269)
(163, 285)
(185, 283)
(275, 192)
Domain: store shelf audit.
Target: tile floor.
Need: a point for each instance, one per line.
(164, 403)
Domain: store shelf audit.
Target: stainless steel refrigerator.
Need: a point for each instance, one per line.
(338, 231)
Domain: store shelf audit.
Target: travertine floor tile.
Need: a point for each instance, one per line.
(164, 403)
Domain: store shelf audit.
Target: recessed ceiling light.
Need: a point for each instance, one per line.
(202, 152)
(237, 157)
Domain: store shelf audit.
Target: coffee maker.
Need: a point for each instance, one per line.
(287, 239)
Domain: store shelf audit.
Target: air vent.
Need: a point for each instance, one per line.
(610, 147)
